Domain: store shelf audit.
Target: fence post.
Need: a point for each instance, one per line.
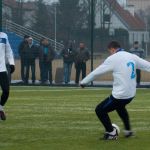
(1, 15)
(92, 35)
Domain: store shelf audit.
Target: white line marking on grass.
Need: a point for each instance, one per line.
(140, 109)
(59, 90)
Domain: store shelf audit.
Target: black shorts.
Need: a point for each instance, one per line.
(111, 104)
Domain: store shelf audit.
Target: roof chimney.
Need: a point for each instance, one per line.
(122, 3)
(131, 9)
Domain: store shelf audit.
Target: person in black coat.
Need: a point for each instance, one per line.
(23, 53)
(68, 58)
(31, 54)
(81, 56)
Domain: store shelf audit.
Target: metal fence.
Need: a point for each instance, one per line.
(71, 21)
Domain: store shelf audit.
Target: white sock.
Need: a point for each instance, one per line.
(1, 108)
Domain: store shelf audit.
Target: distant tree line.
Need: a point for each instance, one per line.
(72, 20)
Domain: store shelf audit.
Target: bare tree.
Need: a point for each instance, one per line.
(42, 19)
(72, 17)
(18, 13)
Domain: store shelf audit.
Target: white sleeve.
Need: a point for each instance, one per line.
(142, 64)
(9, 53)
(107, 66)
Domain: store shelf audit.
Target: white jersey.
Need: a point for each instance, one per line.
(6, 54)
(123, 65)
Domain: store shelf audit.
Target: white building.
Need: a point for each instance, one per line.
(11, 7)
(123, 16)
(139, 4)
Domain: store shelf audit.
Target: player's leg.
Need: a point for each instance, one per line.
(102, 110)
(102, 113)
(4, 83)
(123, 113)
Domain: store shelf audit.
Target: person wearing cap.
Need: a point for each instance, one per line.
(32, 52)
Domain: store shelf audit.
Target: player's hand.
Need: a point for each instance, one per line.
(12, 68)
(82, 85)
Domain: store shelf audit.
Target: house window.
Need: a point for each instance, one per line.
(106, 18)
(133, 36)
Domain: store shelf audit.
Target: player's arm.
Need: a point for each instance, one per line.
(107, 66)
(142, 64)
(9, 56)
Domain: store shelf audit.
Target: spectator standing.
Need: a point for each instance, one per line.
(39, 56)
(23, 56)
(46, 56)
(81, 56)
(31, 56)
(68, 58)
(139, 52)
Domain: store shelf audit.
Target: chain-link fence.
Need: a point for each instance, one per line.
(47, 36)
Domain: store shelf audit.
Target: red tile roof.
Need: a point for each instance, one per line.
(130, 21)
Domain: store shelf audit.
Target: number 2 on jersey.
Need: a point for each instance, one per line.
(131, 64)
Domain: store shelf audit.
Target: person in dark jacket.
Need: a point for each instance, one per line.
(68, 58)
(23, 53)
(46, 55)
(81, 56)
(139, 52)
(30, 58)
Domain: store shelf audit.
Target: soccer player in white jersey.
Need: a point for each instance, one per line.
(6, 55)
(123, 65)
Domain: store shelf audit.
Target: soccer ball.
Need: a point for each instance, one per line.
(117, 127)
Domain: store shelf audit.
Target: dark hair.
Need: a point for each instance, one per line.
(26, 36)
(41, 40)
(114, 44)
(136, 42)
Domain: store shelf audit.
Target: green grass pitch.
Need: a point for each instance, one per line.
(44, 118)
